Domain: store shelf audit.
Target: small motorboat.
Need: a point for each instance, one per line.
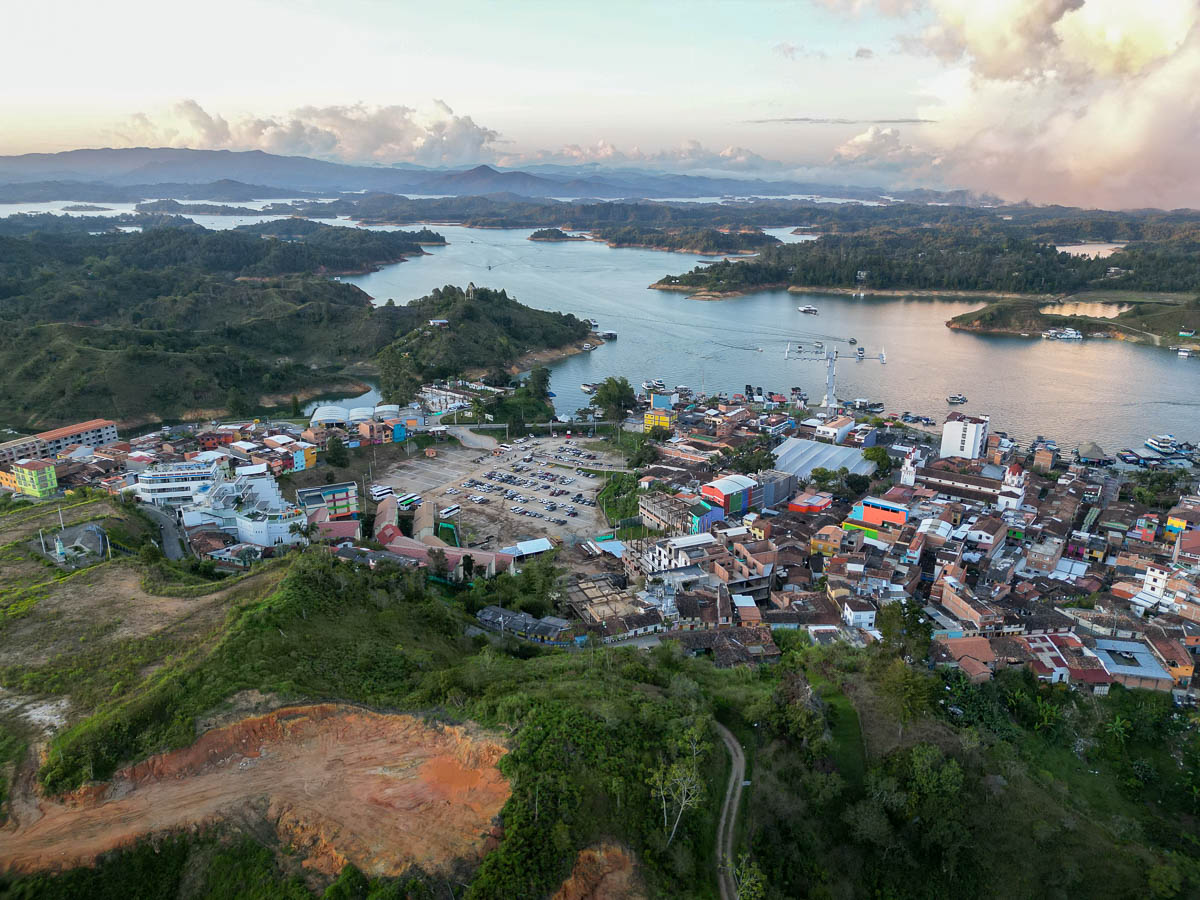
(956, 399)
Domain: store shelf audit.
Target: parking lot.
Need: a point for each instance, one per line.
(532, 490)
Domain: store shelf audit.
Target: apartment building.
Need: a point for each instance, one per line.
(93, 433)
(964, 437)
(177, 483)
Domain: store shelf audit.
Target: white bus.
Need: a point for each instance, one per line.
(379, 491)
(408, 501)
(450, 512)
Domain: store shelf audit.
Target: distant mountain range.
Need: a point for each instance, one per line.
(138, 173)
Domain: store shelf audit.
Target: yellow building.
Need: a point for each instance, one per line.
(658, 418)
(35, 477)
(8, 479)
(827, 541)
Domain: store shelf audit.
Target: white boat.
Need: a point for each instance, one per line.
(883, 356)
(862, 353)
(956, 399)
(587, 388)
(1163, 443)
(810, 310)
(1184, 352)
(593, 323)
(682, 389)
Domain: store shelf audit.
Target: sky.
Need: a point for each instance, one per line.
(1086, 102)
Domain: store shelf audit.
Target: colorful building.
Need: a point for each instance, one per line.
(827, 541)
(339, 500)
(732, 493)
(876, 511)
(35, 477)
(704, 516)
(659, 418)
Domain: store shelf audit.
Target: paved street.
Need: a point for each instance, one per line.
(170, 534)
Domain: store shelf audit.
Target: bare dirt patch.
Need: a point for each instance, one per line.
(338, 783)
(602, 872)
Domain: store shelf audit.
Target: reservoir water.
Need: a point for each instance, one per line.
(1112, 392)
(1104, 390)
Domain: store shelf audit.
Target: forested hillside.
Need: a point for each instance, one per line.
(171, 321)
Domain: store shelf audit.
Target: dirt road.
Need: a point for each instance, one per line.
(339, 783)
(729, 811)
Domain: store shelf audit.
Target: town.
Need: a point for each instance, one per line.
(745, 515)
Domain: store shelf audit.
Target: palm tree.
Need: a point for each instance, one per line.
(479, 408)
(306, 531)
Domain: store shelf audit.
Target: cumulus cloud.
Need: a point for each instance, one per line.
(353, 133)
(881, 148)
(690, 156)
(1087, 102)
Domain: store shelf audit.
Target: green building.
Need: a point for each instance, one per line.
(36, 478)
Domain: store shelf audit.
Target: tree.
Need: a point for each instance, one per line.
(679, 788)
(748, 879)
(857, 484)
(238, 403)
(439, 566)
(907, 690)
(297, 410)
(614, 397)
(306, 531)
(335, 452)
(479, 409)
(538, 382)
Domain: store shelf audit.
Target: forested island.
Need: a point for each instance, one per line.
(172, 322)
(85, 207)
(688, 240)
(555, 234)
(999, 260)
(312, 210)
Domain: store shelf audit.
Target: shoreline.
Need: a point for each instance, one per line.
(549, 355)
(706, 294)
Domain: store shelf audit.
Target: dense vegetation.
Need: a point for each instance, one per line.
(485, 329)
(689, 240)
(869, 777)
(158, 323)
(994, 259)
(555, 234)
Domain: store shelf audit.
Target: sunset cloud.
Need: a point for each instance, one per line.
(353, 133)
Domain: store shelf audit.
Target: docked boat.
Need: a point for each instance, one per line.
(593, 323)
(1163, 443)
(682, 389)
(588, 388)
(588, 347)
(655, 385)
(956, 399)
(608, 335)
(1062, 334)
(809, 310)
(1184, 352)
(852, 341)
(818, 346)
(862, 353)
